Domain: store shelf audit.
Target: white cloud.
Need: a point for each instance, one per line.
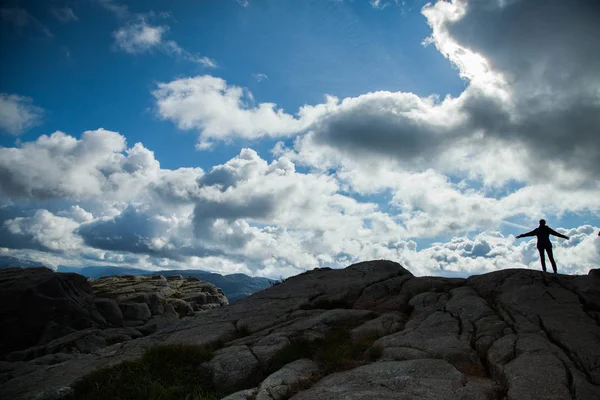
(260, 77)
(139, 37)
(220, 111)
(64, 14)
(47, 230)
(18, 114)
(243, 3)
(249, 215)
(367, 177)
(121, 11)
(207, 62)
(60, 166)
(378, 4)
(496, 131)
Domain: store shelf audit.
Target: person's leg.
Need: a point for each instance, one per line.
(551, 257)
(542, 259)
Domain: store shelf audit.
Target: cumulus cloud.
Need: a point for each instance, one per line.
(531, 98)
(222, 111)
(60, 166)
(18, 114)
(43, 230)
(366, 177)
(245, 215)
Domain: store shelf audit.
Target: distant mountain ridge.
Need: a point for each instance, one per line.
(235, 286)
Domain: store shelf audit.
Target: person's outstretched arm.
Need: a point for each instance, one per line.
(532, 233)
(553, 232)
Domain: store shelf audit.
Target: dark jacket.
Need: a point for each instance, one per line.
(543, 236)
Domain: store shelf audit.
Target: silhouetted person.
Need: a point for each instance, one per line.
(543, 233)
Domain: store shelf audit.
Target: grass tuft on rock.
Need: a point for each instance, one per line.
(336, 351)
(165, 372)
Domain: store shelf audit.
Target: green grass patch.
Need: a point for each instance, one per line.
(243, 331)
(166, 372)
(335, 352)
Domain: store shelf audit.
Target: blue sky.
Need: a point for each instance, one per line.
(306, 49)
(279, 136)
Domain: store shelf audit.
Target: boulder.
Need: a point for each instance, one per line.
(281, 384)
(110, 310)
(135, 311)
(247, 394)
(182, 307)
(422, 379)
(234, 368)
(37, 303)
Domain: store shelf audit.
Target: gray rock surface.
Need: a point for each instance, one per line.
(247, 394)
(110, 310)
(279, 385)
(233, 368)
(415, 379)
(135, 311)
(154, 290)
(511, 334)
(43, 312)
(38, 305)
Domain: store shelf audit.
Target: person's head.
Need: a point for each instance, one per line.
(542, 222)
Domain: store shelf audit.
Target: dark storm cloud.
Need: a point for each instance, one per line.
(134, 231)
(131, 231)
(549, 53)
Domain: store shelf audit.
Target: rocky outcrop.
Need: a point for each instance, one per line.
(186, 295)
(44, 313)
(511, 334)
(38, 306)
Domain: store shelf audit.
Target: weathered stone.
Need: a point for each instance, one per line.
(279, 385)
(439, 336)
(135, 311)
(61, 393)
(525, 382)
(53, 359)
(116, 335)
(234, 368)
(84, 341)
(385, 324)
(522, 325)
(266, 348)
(110, 310)
(425, 379)
(402, 354)
(248, 394)
(477, 388)
(181, 307)
(31, 298)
